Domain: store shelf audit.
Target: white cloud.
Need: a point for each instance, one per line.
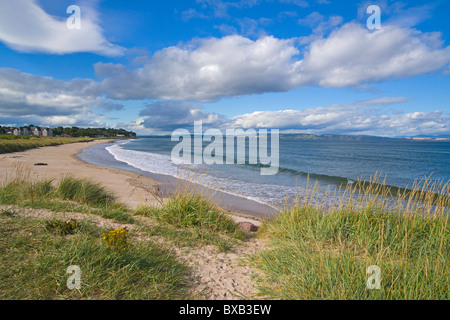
(25, 27)
(352, 55)
(87, 119)
(26, 98)
(213, 68)
(358, 118)
(206, 70)
(171, 115)
(23, 93)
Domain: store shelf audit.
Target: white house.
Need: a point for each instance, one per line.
(20, 131)
(35, 131)
(47, 132)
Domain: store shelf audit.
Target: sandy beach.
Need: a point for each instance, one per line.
(131, 188)
(216, 275)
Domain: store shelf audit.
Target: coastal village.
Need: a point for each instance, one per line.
(29, 131)
(43, 131)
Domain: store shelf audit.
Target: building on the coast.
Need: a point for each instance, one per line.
(23, 131)
(35, 131)
(47, 132)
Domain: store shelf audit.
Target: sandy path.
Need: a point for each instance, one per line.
(223, 275)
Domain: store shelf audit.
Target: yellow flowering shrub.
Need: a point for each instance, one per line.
(117, 239)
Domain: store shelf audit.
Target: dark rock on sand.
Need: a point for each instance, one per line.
(247, 226)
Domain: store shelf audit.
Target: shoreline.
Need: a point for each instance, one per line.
(130, 187)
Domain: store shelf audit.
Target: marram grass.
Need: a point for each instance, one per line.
(191, 217)
(84, 191)
(69, 194)
(323, 252)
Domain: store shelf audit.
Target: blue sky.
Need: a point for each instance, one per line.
(309, 66)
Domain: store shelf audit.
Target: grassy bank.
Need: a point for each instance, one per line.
(10, 143)
(68, 194)
(34, 261)
(323, 252)
(36, 250)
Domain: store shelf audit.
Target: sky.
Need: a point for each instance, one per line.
(300, 66)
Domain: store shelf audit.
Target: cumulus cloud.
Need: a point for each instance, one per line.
(206, 70)
(362, 117)
(39, 99)
(26, 27)
(171, 115)
(358, 118)
(213, 68)
(84, 118)
(351, 55)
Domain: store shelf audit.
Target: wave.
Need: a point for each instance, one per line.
(315, 176)
(163, 164)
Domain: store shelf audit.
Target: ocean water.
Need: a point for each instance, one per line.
(329, 162)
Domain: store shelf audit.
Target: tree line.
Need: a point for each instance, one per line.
(82, 132)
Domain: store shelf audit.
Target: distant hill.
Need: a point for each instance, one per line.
(338, 137)
(333, 137)
(442, 136)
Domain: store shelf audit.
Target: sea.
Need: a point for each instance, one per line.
(330, 162)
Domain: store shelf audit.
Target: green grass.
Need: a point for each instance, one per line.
(36, 253)
(34, 260)
(84, 191)
(319, 252)
(9, 143)
(190, 219)
(70, 194)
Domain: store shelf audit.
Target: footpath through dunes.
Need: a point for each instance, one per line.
(214, 274)
(223, 275)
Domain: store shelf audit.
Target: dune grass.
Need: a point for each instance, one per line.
(35, 258)
(10, 143)
(36, 252)
(69, 194)
(323, 251)
(84, 191)
(190, 217)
